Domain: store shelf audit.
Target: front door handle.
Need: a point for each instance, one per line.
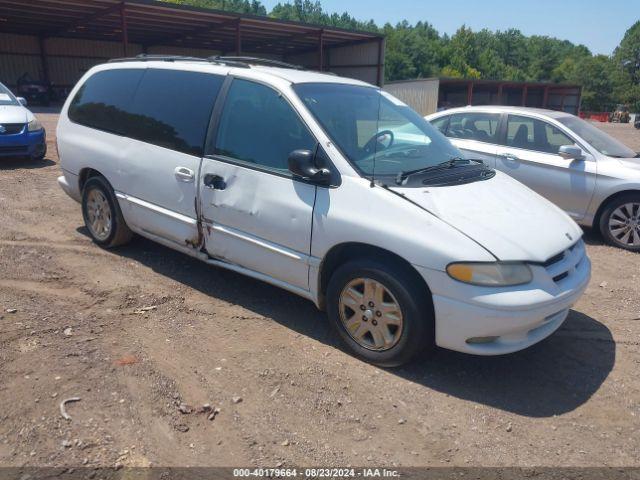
(510, 156)
(214, 182)
(184, 174)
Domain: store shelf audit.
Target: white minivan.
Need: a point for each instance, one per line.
(327, 187)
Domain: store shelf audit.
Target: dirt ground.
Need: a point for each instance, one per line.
(136, 331)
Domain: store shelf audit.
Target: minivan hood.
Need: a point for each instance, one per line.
(13, 114)
(505, 217)
(633, 163)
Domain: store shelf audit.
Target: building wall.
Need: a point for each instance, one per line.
(358, 61)
(421, 95)
(68, 59)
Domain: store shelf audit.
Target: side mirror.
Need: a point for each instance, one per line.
(22, 101)
(570, 152)
(302, 165)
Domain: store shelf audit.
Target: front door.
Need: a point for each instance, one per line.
(255, 214)
(530, 155)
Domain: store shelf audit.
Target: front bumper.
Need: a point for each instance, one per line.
(23, 144)
(495, 321)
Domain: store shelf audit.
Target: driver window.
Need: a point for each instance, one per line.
(533, 134)
(258, 126)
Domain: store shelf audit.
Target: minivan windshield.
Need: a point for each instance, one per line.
(377, 133)
(595, 137)
(6, 97)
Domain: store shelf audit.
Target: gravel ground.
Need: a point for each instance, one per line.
(137, 331)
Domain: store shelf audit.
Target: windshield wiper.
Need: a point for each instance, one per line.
(451, 163)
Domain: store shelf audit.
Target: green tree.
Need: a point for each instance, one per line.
(626, 59)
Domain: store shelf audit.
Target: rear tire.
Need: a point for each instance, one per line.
(102, 215)
(620, 222)
(381, 312)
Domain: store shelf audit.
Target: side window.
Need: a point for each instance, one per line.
(441, 124)
(259, 127)
(533, 134)
(555, 138)
(102, 102)
(172, 109)
(520, 132)
(478, 126)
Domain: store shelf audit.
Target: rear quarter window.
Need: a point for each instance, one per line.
(168, 108)
(102, 101)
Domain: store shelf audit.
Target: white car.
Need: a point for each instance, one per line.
(327, 187)
(590, 175)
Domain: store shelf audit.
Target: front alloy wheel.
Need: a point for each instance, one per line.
(371, 314)
(624, 224)
(620, 222)
(382, 310)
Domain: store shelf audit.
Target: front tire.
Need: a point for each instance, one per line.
(620, 222)
(381, 311)
(102, 215)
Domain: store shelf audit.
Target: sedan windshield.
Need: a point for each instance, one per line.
(6, 97)
(379, 135)
(595, 137)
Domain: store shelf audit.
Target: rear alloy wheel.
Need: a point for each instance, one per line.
(102, 215)
(620, 222)
(381, 310)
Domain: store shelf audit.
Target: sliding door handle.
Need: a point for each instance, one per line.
(184, 174)
(510, 156)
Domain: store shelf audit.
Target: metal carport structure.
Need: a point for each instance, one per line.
(59, 39)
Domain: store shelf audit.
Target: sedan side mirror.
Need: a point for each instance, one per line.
(570, 152)
(302, 165)
(22, 101)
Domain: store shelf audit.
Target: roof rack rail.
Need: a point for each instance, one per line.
(257, 61)
(143, 57)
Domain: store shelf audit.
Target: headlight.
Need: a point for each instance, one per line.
(490, 274)
(34, 125)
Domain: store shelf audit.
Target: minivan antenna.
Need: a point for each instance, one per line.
(375, 148)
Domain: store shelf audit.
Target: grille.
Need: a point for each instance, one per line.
(563, 265)
(11, 128)
(12, 150)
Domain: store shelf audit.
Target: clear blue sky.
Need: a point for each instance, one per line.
(598, 24)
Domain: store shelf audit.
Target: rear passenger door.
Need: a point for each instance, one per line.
(167, 121)
(530, 155)
(256, 214)
(475, 133)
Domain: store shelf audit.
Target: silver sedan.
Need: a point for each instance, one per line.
(587, 173)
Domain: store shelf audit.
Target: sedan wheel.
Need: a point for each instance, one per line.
(624, 225)
(371, 314)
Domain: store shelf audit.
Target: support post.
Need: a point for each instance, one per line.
(43, 60)
(321, 50)
(380, 62)
(545, 99)
(500, 94)
(238, 39)
(469, 92)
(123, 26)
